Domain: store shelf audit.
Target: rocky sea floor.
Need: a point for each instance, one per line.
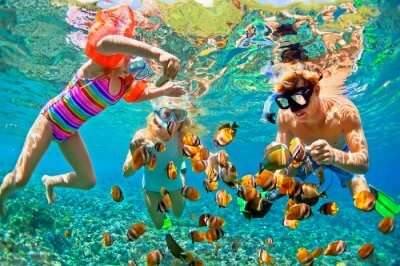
(33, 232)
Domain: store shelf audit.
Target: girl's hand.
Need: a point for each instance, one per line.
(172, 89)
(322, 152)
(170, 64)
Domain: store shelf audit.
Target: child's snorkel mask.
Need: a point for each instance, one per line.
(140, 68)
(168, 118)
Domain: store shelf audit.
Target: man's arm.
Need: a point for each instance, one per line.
(356, 160)
(283, 135)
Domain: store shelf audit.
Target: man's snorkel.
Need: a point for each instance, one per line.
(269, 114)
(270, 107)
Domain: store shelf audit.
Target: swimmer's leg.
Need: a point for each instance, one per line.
(357, 184)
(152, 199)
(36, 143)
(83, 177)
(178, 202)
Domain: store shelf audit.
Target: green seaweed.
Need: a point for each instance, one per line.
(192, 18)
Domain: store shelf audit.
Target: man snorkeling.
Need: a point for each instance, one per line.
(329, 126)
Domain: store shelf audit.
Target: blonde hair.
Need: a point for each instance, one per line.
(188, 125)
(290, 80)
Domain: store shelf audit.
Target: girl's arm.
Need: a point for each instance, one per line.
(114, 44)
(170, 89)
(127, 168)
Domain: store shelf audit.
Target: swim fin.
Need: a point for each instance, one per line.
(167, 223)
(385, 205)
(242, 203)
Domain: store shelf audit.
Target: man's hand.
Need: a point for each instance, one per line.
(322, 152)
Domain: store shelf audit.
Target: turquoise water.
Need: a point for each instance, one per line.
(36, 61)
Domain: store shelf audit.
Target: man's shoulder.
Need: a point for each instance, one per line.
(346, 110)
(340, 102)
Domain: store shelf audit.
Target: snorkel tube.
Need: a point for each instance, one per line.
(270, 108)
(269, 114)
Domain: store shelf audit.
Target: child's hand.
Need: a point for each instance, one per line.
(173, 89)
(170, 64)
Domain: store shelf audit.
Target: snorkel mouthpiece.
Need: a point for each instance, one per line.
(170, 126)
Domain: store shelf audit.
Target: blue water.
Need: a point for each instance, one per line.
(36, 61)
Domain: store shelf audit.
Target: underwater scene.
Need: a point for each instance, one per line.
(243, 132)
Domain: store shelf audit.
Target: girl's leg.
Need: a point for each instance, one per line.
(83, 177)
(36, 143)
(152, 199)
(178, 202)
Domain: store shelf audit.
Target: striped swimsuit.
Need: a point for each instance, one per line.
(78, 102)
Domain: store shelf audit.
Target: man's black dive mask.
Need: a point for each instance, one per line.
(295, 100)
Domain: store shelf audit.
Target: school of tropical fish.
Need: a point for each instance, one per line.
(258, 191)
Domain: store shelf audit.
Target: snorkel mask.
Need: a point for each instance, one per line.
(167, 118)
(140, 68)
(295, 100)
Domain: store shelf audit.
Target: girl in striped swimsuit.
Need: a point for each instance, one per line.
(92, 89)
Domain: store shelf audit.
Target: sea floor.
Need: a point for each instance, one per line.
(33, 232)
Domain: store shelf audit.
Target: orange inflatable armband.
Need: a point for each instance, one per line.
(135, 91)
(114, 21)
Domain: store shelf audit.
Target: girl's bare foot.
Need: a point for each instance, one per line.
(50, 195)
